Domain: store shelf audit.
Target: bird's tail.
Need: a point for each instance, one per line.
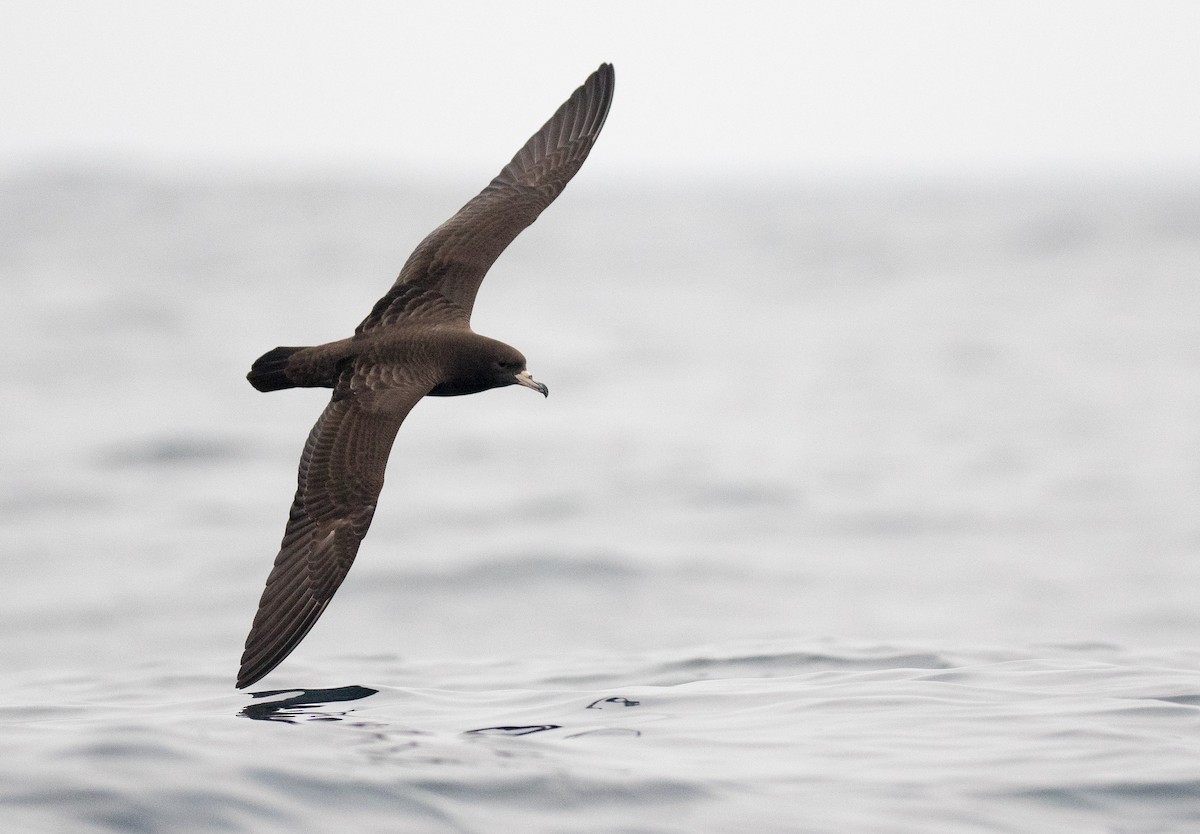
(270, 371)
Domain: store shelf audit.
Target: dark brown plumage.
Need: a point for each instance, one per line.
(416, 342)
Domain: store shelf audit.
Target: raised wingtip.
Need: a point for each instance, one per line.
(598, 90)
(607, 74)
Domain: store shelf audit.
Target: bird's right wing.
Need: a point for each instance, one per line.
(340, 477)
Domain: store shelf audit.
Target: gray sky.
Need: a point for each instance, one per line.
(731, 89)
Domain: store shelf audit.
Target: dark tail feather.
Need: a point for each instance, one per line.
(269, 372)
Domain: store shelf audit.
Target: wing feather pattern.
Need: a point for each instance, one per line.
(442, 276)
(340, 477)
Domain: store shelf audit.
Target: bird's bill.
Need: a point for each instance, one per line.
(526, 379)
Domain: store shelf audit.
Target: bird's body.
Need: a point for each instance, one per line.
(416, 342)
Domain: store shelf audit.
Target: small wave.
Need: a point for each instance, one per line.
(757, 662)
(170, 451)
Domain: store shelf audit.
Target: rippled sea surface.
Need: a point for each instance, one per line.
(853, 508)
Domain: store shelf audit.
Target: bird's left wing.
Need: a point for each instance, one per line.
(439, 281)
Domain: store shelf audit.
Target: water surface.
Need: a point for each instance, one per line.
(853, 508)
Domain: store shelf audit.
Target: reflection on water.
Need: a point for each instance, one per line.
(514, 731)
(304, 704)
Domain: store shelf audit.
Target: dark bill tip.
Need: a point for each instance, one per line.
(526, 379)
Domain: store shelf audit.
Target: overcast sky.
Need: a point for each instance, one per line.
(739, 88)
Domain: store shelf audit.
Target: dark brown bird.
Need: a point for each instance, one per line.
(416, 342)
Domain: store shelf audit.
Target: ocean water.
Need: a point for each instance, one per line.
(854, 507)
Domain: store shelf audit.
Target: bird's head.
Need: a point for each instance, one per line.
(507, 367)
(481, 363)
